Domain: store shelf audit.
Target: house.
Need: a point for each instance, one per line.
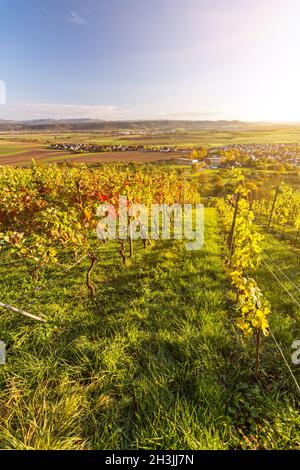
(213, 162)
(186, 161)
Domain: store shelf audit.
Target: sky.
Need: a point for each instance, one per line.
(150, 59)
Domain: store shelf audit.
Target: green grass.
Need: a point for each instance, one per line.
(280, 259)
(154, 362)
(8, 150)
(286, 234)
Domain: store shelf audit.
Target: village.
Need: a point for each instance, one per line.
(252, 155)
(238, 155)
(83, 148)
(289, 153)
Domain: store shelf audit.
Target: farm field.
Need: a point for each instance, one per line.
(271, 134)
(20, 148)
(22, 153)
(18, 156)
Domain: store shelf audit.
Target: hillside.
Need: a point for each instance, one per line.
(140, 125)
(153, 363)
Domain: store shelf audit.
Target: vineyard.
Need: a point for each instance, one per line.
(140, 343)
(280, 213)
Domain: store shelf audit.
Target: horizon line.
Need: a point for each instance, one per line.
(152, 120)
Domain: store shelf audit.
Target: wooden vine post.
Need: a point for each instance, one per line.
(258, 344)
(273, 208)
(22, 312)
(130, 220)
(296, 238)
(90, 286)
(231, 233)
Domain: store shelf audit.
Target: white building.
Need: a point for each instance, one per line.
(186, 161)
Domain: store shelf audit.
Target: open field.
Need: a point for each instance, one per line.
(215, 138)
(22, 153)
(20, 148)
(260, 135)
(41, 153)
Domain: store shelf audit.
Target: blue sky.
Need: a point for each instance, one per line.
(135, 59)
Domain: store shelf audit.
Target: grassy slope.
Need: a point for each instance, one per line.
(154, 363)
(284, 262)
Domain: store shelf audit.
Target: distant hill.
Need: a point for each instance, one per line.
(151, 125)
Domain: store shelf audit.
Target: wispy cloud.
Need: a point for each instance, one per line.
(202, 114)
(30, 111)
(75, 18)
(2, 92)
(24, 111)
